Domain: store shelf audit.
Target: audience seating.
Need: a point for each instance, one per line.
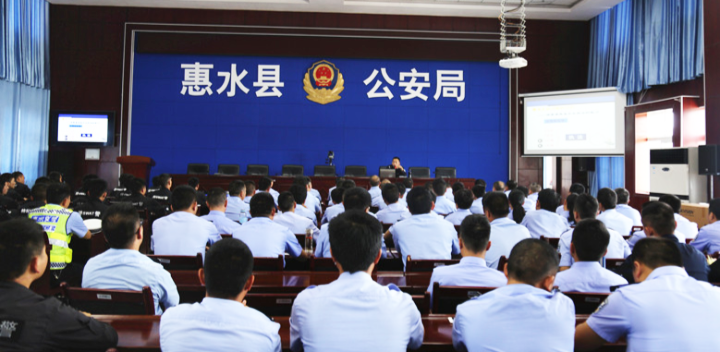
(446, 298)
(610, 264)
(198, 169)
(502, 263)
(632, 231)
(355, 171)
(422, 302)
(257, 170)
(269, 264)
(420, 265)
(120, 302)
(322, 264)
(225, 235)
(374, 210)
(293, 170)
(553, 241)
(324, 170)
(228, 169)
(271, 304)
(445, 172)
(419, 172)
(179, 262)
(586, 303)
(98, 244)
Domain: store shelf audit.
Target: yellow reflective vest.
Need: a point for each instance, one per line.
(53, 219)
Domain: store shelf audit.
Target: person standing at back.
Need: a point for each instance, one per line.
(504, 233)
(609, 216)
(217, 202)
(545, 222)
(622, 207)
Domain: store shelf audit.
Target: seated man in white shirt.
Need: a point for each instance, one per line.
(589, 244)
(622, 207)
(544, 221)
(478, 193)
(505, 233)
(354, 312)
(533, 190)
(336, 210)
(586, 208)
(457, 186)
(424, 235)
(294, 222)
(217, 202)
(510, 186)
(463, 202)
(182, 232)
(311, 202)
(264, 237)
(528, 205)
(408, 182)
(237, 210)
(609, 216)
(562, 210)
(499, 186)
(684, 226)
(265, 186)
(123, 267)
(375, 191)
(300, 196)
(249, 191)
(222, 321)
(402, 192)
(338, 182)
(472, 269)
(443, 206)
(395, 210)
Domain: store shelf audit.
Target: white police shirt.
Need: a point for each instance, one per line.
(306, 212)
(449, 194)
(545, 223)
(616, 221)
(266, 239)
(471, 271)
(631, 213)
(128, 269)
(617, 248)
(504, 235)
(669, 311)
(708, 239)
(425, 236)
(532, 197)
(222, 223)
(515, 317)
(529, 205)
(315, 193)
(375, 192)
(457, 217)
(182, 233)
(393, 213)
(588, 277)
(236, 206)
(355, 313)
(296, 224)
(322, 246)
(313, 204)
(272, 192)
(562, 212)
(217, 325)
(444, 206)
(686, 227)
(638, 235)
(477, 207)
(332, 212)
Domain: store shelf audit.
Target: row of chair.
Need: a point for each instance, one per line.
(319, 170)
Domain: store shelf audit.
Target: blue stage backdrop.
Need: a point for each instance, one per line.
(256, 110)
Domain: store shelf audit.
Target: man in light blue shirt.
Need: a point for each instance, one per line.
(375, 191)
(250, 189)
(609, 216)
(525, 315)
(666, 311)
(684, 226)
(334, 210)
(182, 232)
(443, 206)
(708, 239)
(237, 210)
(477, 205)
(264, 237)
(311, 202)
(354, 312)
(123, 267)
(297, 224)
(505, 233)
(544, 221)
(217, 201)
(589, 244)
(424, 235)
(574, 188)
(300, 196)
(221, 322)
(265, 186)
(622, 207)
(472, 269)
(534, 189)
(463, 202)
(395, 211)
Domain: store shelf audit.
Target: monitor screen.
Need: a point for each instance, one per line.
(83, 128)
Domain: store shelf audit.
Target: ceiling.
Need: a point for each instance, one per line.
(567, 10)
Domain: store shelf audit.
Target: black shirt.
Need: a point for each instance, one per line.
(693, 261)
(23, 190)
(92, 209)
(27, 207)
(8, 203)
(400, 172)
(119, 193)
(30, 322)
(162, 196)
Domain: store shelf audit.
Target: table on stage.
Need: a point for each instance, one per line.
(142, 333)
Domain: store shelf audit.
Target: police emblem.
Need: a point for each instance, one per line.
(323, 83)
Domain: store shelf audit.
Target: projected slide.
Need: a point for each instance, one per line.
(82, 128)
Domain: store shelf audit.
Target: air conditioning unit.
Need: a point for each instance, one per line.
(675, 171)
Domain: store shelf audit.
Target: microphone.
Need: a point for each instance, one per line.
(330, 158)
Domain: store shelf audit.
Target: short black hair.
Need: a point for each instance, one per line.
(261, 205)
(390, 193)
(586, 206)
(285, 201)
(607, 197)
(96, 188)
(524, 190)
(396, 157)
(39, 191)
(660, 217)
(164, 179)
(517, 199)
(548, 199)
(401, 188)
(496, 203)
(591, 239)
(673, 201)
(119, 224)
(623, 196)
(155, 181)
(419, 200)
(439, 186)
(86, 179)
(17, 174)
(58, 192)
(137, 184)
(299, 193)
(216, 197)
(457, 186)
(55, 176)
(657, 252)
(577, 188)
(236, 187)
(264, 183)
(193, 182)
(250, 187)
(408, 182)
(478, 191)
(183, 197)
(21, 240)
(347, 184)
(715, 207)
(480, 182)
(228, 266)
(337, 195)
(356, 199)
(301, 180)
(531, 261)
(43, 180)
(355, 240)
(5, 178)
(511, 184)
(463, 198)
(475, 232)
(570, 200)
(125, 178)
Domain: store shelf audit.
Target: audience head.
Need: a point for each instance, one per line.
(39, 192)
(590, 240)
(165, 180)
(651, 253)
(137, 186)
(463, 198)
(533, 262)
(86, 179)
(396, 161)
(478, 191)
(286, 201)
(408, 182)
(401, 189)
(216, 198)
(390, 193)
(265, 183)
(121, 225)
(499, 186)
(714, 210)
(535, 187)
(155, 182)
(97, 188)
(262, 205)
(301, 180)
(517, 199)
(44, 180)
(658, 219)
(356, 199)
(299, 193)
(347, 184)
(577, 188)
(439, 186)
(607, 198)
(337, 195)
(22, 249)
(623, 196)
(125, 179)
(236, 187)
(355, 240)
(339, 181)
(457, 186)
(55, 176)
(184, 198)
(475, 233)
(419, 200)
(511, 185)
(673, 201)
(570, 204)
(480, 182)
(496, 204)
(548, 200)
(228, 269)
(250, 188)
(374, 181)
(5, 180)
(524, 190)
(194, 182)
(19, 177)
(586, 207)
(58, 193)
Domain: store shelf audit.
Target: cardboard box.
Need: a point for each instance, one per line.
(695, 212)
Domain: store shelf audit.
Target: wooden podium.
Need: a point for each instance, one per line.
(138, 166)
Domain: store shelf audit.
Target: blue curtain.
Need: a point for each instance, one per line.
(24, 87)
(638, 44)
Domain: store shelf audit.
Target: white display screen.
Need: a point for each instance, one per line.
(567, 123)
(82, 128)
